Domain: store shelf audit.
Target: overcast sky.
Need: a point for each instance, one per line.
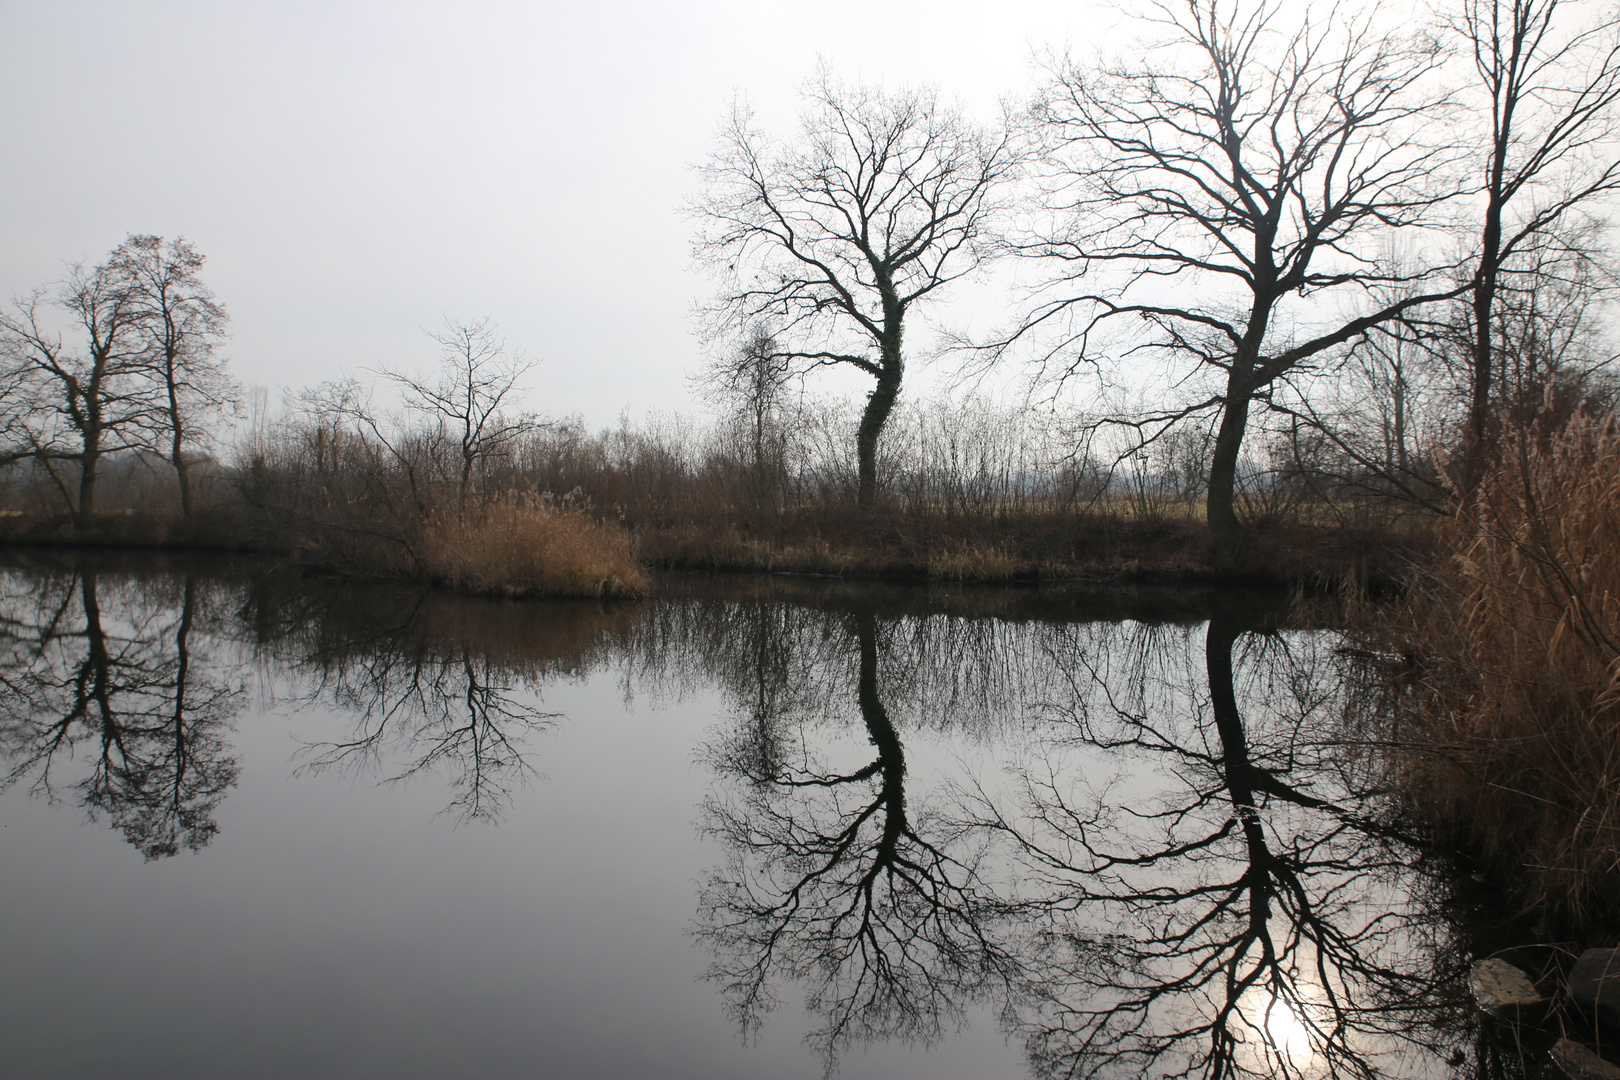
(356, 171)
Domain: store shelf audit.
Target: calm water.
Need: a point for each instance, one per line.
(253, 825)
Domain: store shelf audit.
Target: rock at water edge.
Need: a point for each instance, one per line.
(1503, 990)
(1580, 1062)
(1594, 984)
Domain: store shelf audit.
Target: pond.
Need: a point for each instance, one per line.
(257, 824)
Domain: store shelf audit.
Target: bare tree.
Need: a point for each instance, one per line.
(1227, 187)
(182, 325)
(753, 380)
(372, 470)
(1378, 417)
(1551, 93)
(1373, 421)
(470, 397)
(883, 200)
(78, 406)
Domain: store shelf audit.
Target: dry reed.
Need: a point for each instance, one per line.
(1509, 707)
(974, 563)
(527, 545)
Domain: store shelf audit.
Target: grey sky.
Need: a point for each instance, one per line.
(354, 171)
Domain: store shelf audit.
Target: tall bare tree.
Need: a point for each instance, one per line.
(182, 324)
(1220, 200)
(883, 200)
(1550, 90)
(77, 405)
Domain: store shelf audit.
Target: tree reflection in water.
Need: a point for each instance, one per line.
(112, 670)
(1249, 917)
(432, 683)
(1188, 877)
(834, 880)
(450, 715)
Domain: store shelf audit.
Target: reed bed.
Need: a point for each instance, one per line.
(1506, 717)
(529, 545)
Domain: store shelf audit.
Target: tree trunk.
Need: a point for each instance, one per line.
(97, 663)
(85, 408)
(1484, 299)
(879, 404)
(1219, 637)
(1243, 777)
(182, 473)
(879, 729)
(177, 440)
(1221, 506)
(89, 461)
(1400, 421)
(1479, 405)
(182, 678)
(1483, 347)
(182, 476)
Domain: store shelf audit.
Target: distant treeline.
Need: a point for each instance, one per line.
(967, 489)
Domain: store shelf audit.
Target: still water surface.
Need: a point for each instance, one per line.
(258, 825)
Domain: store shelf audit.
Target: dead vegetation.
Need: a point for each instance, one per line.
(530, 545)
(1504, 715)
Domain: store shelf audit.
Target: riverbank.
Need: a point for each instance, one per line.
(517, 551)
(1103, 547)
(507, 548)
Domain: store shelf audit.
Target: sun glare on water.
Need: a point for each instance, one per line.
(1287, 1035)
(1287, 1031)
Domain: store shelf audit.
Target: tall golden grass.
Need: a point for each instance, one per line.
(1507, 720)
(529, 545)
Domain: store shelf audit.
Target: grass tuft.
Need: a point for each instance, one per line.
(973, 563)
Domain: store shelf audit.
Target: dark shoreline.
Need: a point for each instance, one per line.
(1176, 554)
(1106, 553)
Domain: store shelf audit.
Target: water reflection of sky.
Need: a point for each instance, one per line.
(360, 831)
